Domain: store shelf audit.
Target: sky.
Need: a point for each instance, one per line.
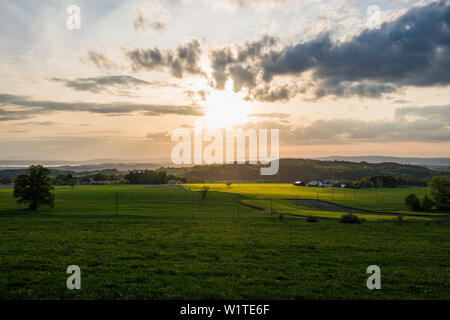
(339, 77)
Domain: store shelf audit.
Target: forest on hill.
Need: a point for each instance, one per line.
(305, 170)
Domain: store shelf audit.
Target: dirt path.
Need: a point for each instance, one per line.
(327, 206)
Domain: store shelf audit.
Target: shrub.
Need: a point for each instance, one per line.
(400, 220)
(204, 192)
(440, 192)
(412, 202)
(350, 218)
(427, 203)
(312, 219)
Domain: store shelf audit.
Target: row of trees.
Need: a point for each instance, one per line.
(386, 181)
(151, 177)
(132, 177)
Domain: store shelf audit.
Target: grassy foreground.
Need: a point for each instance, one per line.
(167, 244)
(242, 259)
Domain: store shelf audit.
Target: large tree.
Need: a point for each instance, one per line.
(34, 187)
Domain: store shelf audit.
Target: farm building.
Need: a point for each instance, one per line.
(330, 182)
(315, 183)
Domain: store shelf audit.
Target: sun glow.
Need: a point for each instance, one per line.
(226, 108)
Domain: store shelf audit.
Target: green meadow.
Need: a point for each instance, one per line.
(279, 196)
(171, 244)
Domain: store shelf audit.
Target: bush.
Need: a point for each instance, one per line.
(350, 218)
(400, 220)
(412, 202)
(204, 192)
(312, 219)
(427, 203)
(440, 192)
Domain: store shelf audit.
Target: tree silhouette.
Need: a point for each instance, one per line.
(34, 187)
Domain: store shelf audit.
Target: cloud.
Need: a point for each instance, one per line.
(158, 136)
(100, 60)
(438, 113)
(196, 96)
(239, 63)
(412, 50)
(257, 4)
(278, 115)
(184, 59)
(36, 123)
(102, 84)
(151, 14)
(424, 124)
(272, 94)
(13, 107)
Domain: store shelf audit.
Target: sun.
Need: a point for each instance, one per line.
(225, 108)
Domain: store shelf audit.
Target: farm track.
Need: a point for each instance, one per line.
(328, 206)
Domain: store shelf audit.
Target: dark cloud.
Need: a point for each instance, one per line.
(14, 107)
(349, 89)
(267, 93)
(184, 59)
(220, 60)
(242, 77)
(240, 65)
(413, 50)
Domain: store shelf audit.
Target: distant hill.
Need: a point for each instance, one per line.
(428, 162)
(306, 170)
(81, 167)
(290, 170)
(107, 166)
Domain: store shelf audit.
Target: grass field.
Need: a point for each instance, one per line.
(168, 244)
(275, 195)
